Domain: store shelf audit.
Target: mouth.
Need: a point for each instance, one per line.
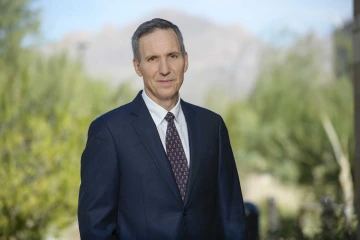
(164, 81)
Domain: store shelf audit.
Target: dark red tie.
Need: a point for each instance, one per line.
(176, 155)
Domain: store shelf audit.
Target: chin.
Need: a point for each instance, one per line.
(167, 96)
(168, 93)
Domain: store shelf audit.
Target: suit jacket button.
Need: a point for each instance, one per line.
(184, 212)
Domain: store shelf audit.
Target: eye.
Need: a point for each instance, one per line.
(174, 56)
(151, 59)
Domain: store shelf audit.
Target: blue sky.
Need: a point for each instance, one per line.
(262, 17)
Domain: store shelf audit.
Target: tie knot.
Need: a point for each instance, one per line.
(169, 117)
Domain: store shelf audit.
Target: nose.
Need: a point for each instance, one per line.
(164, 68)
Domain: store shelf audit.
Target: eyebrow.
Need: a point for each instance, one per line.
(173, 52)
(150, 56)
(170, 53)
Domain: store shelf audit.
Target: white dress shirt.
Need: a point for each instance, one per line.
(158, 114)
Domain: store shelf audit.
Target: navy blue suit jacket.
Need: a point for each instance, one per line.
(128, 190)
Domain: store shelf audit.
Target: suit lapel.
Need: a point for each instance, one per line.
(146, 129)
(195, 140)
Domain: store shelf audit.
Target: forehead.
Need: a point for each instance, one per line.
(159, 42)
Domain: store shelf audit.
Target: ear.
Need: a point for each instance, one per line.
(137, 67)
(186, 62)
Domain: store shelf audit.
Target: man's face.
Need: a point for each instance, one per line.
(162, 65)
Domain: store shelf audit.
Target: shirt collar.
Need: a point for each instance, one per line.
(157, 112)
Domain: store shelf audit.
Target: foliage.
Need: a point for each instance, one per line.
(279, 128)
(19, 19)
(343, 56)
(46, 105)
(45, 109)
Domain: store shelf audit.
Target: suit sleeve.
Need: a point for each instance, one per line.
(98, 197)
(232, 219)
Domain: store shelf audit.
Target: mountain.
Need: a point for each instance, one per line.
(221, 58)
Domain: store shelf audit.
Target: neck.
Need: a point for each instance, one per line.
(167, 104)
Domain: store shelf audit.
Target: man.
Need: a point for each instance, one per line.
(158, 167)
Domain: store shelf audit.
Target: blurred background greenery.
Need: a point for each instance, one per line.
(46, 106)
(292, 136)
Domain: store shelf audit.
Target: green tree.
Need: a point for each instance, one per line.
(46, 105)
(283, 128)
(19, 19)
(343, 54)
(45, 109)
(282, 118)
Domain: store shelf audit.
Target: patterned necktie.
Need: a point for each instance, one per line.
(176, 155)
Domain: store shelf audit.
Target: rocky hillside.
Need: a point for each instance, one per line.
(224, 58)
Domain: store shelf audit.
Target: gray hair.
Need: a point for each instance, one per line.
(149, 27)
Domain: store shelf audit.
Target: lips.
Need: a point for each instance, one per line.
(165, 81)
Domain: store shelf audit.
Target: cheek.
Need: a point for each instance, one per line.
(149, 71)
